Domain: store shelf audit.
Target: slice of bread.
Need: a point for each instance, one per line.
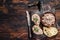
(48, 19)
(51, 31)
(36, 18)
(37, 30)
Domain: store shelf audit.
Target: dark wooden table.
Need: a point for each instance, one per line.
(13, 23)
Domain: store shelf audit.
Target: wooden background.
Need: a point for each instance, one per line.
(13, 20)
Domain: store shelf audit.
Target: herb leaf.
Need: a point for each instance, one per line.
(36, 29)
(35, 19)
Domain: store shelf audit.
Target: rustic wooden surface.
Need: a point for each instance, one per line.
(13, 22)
(14, 25)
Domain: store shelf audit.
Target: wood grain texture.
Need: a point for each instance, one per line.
(13, 22)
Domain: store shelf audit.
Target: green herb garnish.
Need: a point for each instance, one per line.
(35, 19)
(36, 29)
